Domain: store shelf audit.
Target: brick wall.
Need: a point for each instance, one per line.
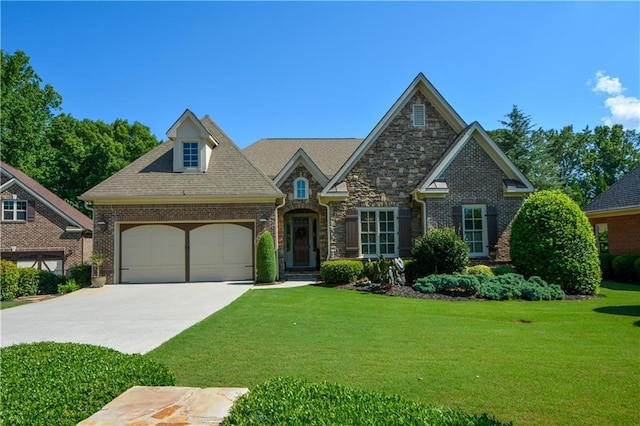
(104, 241)
(624, 233)
(46, 233)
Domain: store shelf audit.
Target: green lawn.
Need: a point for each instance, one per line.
(11, 303)
(566, 362)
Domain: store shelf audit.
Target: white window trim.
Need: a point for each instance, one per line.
(422, 123)
(395, 227)
(306, 188)
(14, 210)
(485, 231)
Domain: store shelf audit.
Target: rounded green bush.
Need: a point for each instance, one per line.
(551, 238)
(636, 267)
(29, 281)
(81, 274)
(623, 266)
(9, 278)
(51, 383)
(479, 270)
(440, 251)
(266, 259)
(606, 264)
(503, 269)
(340, 271)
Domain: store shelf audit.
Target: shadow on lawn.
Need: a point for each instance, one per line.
(629, 310)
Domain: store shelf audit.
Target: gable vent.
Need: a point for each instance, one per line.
(419, 115)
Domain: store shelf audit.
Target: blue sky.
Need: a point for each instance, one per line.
(308, 69)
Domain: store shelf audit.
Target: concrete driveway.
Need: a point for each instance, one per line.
(131, 318)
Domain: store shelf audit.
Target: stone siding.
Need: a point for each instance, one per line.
(47, 233)
(104, 241)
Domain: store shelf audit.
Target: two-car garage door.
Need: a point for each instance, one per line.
(177, 253)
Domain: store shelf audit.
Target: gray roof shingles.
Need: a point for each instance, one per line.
(271, 155)
(229, 174)
(623, 194)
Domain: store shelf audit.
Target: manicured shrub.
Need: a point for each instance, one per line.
(64, 383)
(551, 238)
(81, 274)
(606, 264)
(48, 283)
(68, 286)
(266, 259)
(340, 271)
(410, 271)
(287, 401)
(448, 282)
(623, 267)
(29, 281)
(479, 270)
(636, 267)
(503, 269)
(440, 251)
(9, 278)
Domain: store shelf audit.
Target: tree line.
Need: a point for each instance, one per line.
(66, 155)
(69, 156)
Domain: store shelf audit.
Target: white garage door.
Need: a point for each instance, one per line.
(221, 252)
(153, 254)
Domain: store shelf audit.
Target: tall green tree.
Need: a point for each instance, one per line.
(28, 106)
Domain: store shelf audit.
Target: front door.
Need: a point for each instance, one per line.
(300, 241)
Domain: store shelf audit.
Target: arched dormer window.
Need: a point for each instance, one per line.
(300, 189)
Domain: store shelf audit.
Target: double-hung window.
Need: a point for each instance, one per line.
(378, 232)
(190, 155)
(474, 229)
(14, 210)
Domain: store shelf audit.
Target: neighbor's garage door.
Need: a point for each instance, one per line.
(153, 254)
(220, 252)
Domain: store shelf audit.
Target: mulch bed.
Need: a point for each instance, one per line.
(407, 291)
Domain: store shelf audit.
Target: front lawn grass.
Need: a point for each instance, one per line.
(561, 362)
(5, 304)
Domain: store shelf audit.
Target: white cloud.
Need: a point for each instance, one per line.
(624, 110)
(606, 84)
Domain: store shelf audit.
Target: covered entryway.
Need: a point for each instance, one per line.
(179, 252)
(152, 254)
(301, 240)
(221, 252)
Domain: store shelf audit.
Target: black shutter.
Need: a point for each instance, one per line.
(351, 234)
(31, 210)
(492, 226)
(404, 223)
(456, 214)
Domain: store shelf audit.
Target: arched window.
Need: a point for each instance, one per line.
(300, 189)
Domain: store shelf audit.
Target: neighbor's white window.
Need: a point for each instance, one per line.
(474, 229)
(300, 189)
(190, 154)
(378, 232)
(419, 115)
(14, 210)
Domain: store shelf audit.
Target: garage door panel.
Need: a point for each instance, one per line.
(153, 253)
(221, 252)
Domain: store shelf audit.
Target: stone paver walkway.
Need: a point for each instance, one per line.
(155, 406)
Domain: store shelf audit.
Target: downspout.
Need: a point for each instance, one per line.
(93, 231)
(284, 200)
(424, 211)
(328, 226)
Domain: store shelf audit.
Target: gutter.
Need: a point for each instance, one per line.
(424, 210)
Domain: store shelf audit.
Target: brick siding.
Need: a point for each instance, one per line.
(624, 233)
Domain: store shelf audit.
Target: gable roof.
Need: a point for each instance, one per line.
(301, 157)
(516, 183)
(230, 176)
(188, 115)
(622, 197)
(272, 155)
(420, 83)
(57, 204)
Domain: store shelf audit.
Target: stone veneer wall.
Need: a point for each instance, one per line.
(311, 203)
(394, 166)
(474, 178)
(170, 213)
(46, 233)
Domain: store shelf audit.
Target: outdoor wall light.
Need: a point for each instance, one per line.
(101, 226)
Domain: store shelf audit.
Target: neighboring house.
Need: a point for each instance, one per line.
(38, 228)
(615, 215)
(193, 208)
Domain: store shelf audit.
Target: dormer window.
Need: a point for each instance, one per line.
(419, 115)
(300, 189)
(190, 155)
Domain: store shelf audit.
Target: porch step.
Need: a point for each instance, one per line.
(301, 275)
